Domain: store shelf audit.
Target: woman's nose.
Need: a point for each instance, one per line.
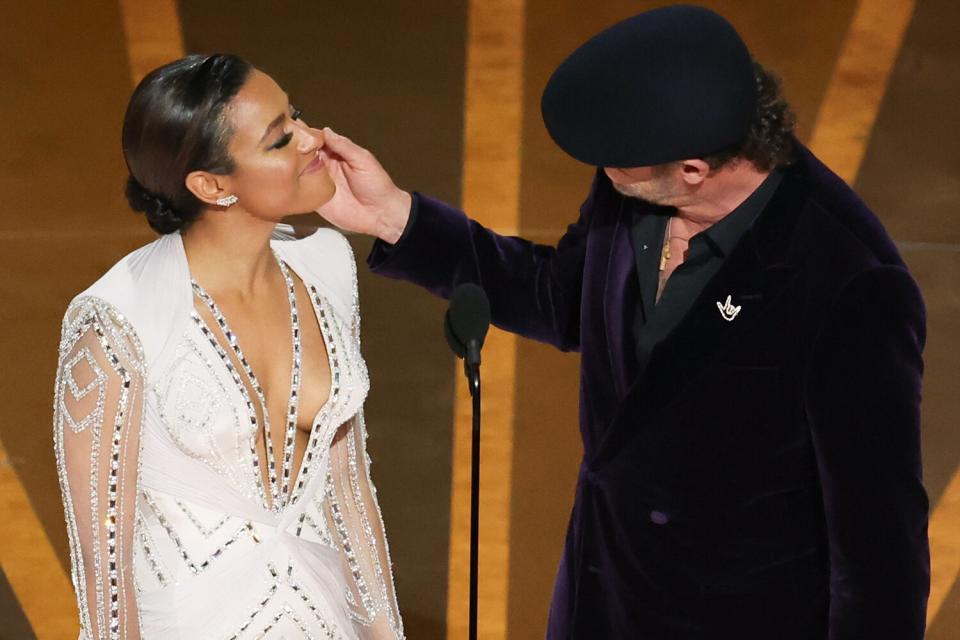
(308, 140)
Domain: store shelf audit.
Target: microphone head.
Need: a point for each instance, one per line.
(458, 348)
(468, 317)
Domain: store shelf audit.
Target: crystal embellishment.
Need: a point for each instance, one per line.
(279, 489)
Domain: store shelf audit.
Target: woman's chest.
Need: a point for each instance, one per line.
(281, 352)
(211, 402)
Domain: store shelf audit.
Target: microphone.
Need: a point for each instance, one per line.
(465, 327)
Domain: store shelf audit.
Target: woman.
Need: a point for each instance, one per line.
(209, 401)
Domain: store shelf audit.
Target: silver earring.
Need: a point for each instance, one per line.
(226, 201)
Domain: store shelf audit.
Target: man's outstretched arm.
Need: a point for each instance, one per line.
(534, 290)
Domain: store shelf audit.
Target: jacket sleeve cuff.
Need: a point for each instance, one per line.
(382, 252)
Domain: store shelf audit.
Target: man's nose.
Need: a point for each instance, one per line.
(613, 174)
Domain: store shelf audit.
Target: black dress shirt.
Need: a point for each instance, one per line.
(707, 250)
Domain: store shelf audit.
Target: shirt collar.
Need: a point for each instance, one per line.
(724, 235)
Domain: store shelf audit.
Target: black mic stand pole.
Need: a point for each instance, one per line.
(471, 365)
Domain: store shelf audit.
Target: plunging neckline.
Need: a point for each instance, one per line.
(281, 493)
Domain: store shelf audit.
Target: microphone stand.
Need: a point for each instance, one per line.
(471, 365)
(465, 327)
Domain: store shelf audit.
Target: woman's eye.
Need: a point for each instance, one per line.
(296, 114)
(282, 142)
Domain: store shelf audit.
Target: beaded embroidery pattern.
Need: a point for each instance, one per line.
(278, 489)
(91, 317)
(325, 426)
(188, 404)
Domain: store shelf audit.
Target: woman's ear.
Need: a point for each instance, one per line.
(694, 172)
(207, 187)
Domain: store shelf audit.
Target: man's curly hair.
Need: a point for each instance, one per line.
(769, 142)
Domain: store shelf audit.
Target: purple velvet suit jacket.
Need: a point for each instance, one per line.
(760, 477)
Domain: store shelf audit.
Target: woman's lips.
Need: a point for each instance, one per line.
(315, 164)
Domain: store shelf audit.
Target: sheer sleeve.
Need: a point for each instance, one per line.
(97, 411)
(353, 512)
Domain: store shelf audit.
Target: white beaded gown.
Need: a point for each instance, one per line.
(174, 532)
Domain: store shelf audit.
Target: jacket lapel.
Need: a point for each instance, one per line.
(619, 302)
(754, 276)
(714, 323)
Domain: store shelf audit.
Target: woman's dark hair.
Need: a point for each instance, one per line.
(175, 124)
(769, 143)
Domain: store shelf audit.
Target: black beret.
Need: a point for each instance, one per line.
(665, 85)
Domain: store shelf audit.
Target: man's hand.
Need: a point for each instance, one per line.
(367, 201)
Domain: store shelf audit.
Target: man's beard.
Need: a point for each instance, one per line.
(655, 192)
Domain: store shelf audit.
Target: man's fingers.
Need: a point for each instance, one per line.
(335, 169)
(344, 147)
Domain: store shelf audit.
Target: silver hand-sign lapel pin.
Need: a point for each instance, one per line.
(728, 310)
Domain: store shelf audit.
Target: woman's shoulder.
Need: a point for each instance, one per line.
(147, 289)
(115, 286)
(138, 273)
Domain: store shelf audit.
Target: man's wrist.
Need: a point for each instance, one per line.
(395, 217)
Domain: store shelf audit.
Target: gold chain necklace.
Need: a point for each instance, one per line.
(665, 254)
(665, 251)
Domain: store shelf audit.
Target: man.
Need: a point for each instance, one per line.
(750, 343)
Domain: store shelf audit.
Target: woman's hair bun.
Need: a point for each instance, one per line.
(160, 215)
